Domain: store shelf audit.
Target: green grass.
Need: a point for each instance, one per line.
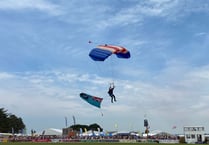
(79, 143)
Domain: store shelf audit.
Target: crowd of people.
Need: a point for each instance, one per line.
(77, 138)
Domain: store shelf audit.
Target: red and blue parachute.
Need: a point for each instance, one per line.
(102, 52)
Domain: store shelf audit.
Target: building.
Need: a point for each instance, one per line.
(69, 132)
(194, 134)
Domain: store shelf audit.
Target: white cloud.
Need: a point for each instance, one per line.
(200, 34)
(48, 93)
(4, 75)
(40, 5)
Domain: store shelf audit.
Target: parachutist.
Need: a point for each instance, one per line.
(110, 92)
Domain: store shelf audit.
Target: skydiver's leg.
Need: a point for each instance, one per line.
(111, 98)
(114, 97)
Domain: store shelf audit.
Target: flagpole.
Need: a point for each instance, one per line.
(66, 122)
(74, 122)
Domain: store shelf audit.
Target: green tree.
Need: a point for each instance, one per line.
(10, 123)
(93, 127)
(77, 127)
(3, 120)
(16, 124)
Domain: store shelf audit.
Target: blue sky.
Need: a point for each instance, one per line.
(44, 62)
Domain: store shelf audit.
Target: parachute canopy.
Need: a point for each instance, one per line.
(101, 52)
(95, 101)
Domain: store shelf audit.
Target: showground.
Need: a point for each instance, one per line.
(86, 143)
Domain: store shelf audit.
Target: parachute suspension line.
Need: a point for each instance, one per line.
(102, 52)
(101, 113)
(112, 69)
(100, 68)
(107, 68)
(97, 67)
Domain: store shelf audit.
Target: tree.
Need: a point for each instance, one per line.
(3, 120)
(93, 127)
(10, 123)
(16, 124)
(77, 127)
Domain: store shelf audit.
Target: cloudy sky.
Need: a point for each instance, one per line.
(44, 62)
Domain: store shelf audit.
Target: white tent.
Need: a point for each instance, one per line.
(52, 131)
(157, 133)
(152, 133)
(92, 133)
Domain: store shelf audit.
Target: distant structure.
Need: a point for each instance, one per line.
(69, 132)
(146, 125)
(74, 122)
(194, 134)
(66, 122)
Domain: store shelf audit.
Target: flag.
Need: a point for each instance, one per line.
(85, 130)
(116, 125)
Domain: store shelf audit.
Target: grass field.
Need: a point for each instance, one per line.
(70, 143)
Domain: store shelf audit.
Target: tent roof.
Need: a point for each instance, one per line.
(52, 131)
(156, 133)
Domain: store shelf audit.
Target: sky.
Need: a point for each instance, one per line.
(45, 63)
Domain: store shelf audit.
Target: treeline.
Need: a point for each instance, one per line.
(94, 127)
(10, 123)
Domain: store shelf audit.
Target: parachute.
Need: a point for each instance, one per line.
(102, 52)
(95, 101)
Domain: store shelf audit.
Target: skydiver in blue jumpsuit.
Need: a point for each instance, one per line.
(110, 92)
